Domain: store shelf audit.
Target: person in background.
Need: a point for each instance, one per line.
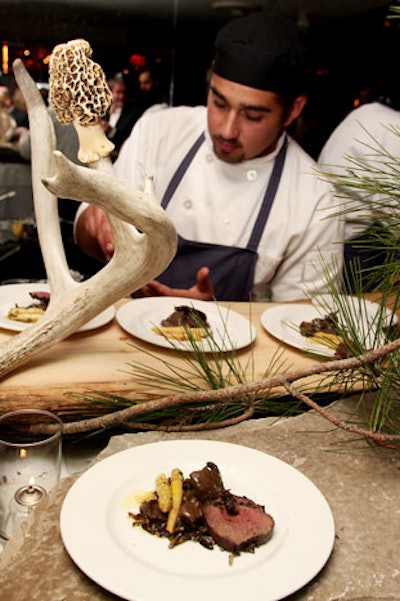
(5, 97)
(151, 93)
(8, 125)
(18, 109)
(359, 140)
(253, 217)
(67, 142)
(14, 112)
(121, 116)
(147, 82)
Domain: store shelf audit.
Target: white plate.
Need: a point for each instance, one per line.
(18, 294)
(283, 321)
(229, 329)
(137, 566)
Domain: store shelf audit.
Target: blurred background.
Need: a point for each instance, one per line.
(350, 45)
(348, 39)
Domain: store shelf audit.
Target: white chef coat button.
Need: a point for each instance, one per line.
(188, 203)
(251, 175)
(209, 158)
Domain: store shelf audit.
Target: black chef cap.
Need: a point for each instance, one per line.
(263, 51)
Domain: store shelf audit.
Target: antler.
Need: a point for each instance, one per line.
(144, 238)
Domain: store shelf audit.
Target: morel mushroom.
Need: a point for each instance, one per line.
(79, 94)
(145, 238)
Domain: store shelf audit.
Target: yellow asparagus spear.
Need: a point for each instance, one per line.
(177, 493)
(164, 494)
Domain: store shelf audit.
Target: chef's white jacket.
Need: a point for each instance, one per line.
(360, 138)
(218, 202)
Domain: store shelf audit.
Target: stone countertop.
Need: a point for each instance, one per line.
(360, 482)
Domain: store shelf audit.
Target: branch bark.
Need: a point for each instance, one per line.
(263, 387)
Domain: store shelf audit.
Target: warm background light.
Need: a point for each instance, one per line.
(4, 59)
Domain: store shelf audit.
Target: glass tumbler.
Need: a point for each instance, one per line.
(30, 463)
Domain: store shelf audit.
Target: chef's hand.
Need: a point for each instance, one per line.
(202, 290)
(93, 234)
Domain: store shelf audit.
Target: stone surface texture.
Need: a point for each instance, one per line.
(361, 483)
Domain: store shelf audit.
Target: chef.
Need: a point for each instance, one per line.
(254, 218)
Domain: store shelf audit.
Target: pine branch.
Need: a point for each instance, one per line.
(247, 391)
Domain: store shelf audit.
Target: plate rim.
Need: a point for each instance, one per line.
(113, 583)
(200, 304)
(106, 316)
(315, 305)
(316, 349)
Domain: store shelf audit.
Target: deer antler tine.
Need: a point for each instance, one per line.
(141, 228)
(46, 207)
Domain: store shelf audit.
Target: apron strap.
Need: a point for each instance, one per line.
(179, 173)
(269, 197)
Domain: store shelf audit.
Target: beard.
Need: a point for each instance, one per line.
(233, 155)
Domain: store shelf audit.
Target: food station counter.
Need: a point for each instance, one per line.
(98, 358)
(334, 497)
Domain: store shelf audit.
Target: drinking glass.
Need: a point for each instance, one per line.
(30, 463)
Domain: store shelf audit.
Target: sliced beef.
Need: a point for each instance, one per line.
(242, 530)
(42, 297)
(319, 324)
(185, 316)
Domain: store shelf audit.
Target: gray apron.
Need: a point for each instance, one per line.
(231, 268)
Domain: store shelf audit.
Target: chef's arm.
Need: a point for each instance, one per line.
(93, 233)
(202, 290)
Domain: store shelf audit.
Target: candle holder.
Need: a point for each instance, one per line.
(29, 496)
(30, 463)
